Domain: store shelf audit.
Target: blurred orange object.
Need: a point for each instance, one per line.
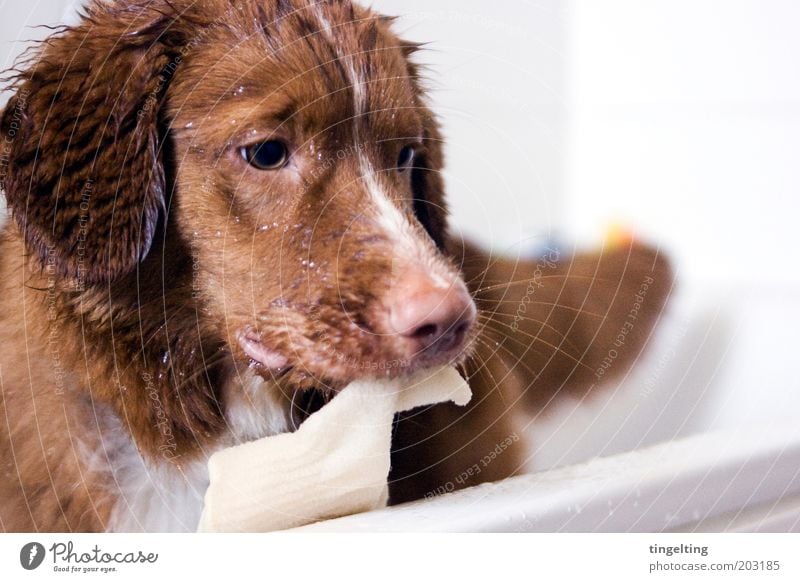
(618, 235)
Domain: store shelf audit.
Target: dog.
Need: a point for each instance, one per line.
(224, 212)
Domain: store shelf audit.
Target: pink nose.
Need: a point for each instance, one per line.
(434, 319)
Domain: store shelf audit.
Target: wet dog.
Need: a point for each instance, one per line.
(224, 212)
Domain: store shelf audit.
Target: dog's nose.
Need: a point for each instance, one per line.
(434, 317)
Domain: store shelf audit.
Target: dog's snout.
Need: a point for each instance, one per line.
(431, 318)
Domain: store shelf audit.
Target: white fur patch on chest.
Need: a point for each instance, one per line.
(255, 408)
(166, 494)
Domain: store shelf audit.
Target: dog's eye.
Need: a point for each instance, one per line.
(406, 158)
(268, 155)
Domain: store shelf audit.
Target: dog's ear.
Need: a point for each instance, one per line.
(83, 172)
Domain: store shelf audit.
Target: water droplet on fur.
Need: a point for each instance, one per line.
(239, 90)
(264, 228)
(165, 357)
(218, 234)
(189, 125)
(236, 220)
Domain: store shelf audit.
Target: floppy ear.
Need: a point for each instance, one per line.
(83, 174)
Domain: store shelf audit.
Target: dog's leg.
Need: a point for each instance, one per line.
(445, 447)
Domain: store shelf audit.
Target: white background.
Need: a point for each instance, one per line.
(679, 118)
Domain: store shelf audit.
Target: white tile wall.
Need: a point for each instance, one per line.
(685, 121)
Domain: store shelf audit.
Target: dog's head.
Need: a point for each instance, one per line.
(286, 142)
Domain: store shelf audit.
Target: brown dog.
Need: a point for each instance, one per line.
(224, 212)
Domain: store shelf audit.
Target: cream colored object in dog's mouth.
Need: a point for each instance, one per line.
(335, 464)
